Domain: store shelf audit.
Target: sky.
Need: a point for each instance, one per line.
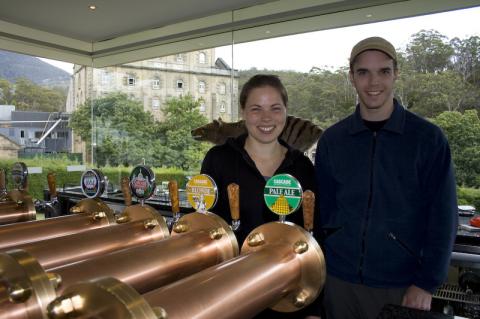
(323, 48)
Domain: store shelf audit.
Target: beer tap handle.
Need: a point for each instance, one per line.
(234, 201)
(3, 185)
(127, 196)
(52, 185)
(308, 206)
(173, 194)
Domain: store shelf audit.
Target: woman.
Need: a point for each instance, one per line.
(251, 159)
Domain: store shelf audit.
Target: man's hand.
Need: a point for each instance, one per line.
(417, 298)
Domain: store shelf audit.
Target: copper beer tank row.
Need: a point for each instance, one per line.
(136, 227)
(89, 214)
(203, 240)
(280, 265)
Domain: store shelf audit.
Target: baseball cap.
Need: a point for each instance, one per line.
(373, 43)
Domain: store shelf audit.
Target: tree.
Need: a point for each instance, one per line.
(463, 133)
(179, 149)
(6, 92)
(125, 134)
(122, 129)
(31, 97)
(430, 94)
(466, 60)
(429, 52)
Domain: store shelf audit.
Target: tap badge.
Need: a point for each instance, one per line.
(202, 192)
(142, 182)
(93, 183)
(19, 175)
(283, 194)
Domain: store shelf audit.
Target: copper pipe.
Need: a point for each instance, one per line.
(97, 215)
(68, 249)
(144, 267)
(281, 267)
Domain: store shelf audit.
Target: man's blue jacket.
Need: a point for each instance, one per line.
(387, 201)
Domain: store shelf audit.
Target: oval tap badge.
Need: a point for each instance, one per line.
(92, 183)
(283, 194)
(202, 192)
(142, 182)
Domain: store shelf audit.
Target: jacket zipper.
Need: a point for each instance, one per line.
(369, 206)
(404, 247)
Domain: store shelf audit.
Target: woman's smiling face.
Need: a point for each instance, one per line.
(265, 114)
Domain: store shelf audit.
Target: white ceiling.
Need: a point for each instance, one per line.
(120, 31)
(112, 18)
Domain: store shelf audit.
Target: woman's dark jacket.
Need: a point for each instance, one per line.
(230, 163)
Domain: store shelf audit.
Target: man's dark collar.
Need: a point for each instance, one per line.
(395, 123)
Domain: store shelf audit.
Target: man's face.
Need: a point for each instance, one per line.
(373, 76)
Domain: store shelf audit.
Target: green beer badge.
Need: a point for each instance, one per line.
(283, 194)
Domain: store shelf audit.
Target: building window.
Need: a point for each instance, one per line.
(62, 134)
(131, 80)
(222, 88)
(201, 86)
(105, 78)
(155, 103)
(222, 107)
(202, 58)
(179, 57)
(156, 84)
(22, 134)
(179, 85)
(202, 107)
(38, 134)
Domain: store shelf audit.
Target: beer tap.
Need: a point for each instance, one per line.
(3, 187)
(50, 208)
(127, 195)
(234, 202)
(308, 207)
(174, 201)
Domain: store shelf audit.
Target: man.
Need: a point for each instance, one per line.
(386, 193)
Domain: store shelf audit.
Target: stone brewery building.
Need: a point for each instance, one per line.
(156, 80)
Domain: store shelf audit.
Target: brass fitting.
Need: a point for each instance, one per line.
(121, 219)
(300, 247)
(180, 227)
(300, 299)
(160, 313)
(256, 239)
(216, 233)
(19, 292)
(98, 215)
(63, 306)
(55, 279)
(150, 223)
(76, 209)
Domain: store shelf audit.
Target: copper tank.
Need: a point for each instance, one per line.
(136, 228)
(92, 213)
(281, 267)
(18, 207)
